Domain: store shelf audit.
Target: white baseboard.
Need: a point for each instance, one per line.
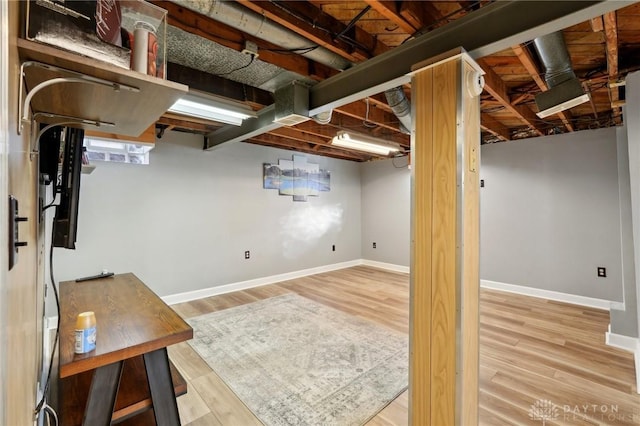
(244, 285)
(386, 266)
(637, 357)
(627, 343)
(548, 294)
(618, 306)
(622, 342)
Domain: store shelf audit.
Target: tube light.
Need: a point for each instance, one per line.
(364, 143)
(215, 109)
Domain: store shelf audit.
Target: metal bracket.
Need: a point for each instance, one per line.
(75, 77)
(35, 142)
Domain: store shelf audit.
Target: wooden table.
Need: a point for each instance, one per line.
(134, 327)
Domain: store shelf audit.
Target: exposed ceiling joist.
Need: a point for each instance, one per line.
(179, 122)
(370, 114)
(299, 135)
(307, 137)
(596, 24)
(341, 122)
(494, 85)
(273, 140)
(389, 9)
(491, 125)
(220, 86)
(477, 32)
(210, 29)
(528, 62)
(321, 30)
(421, 14)
(611, 39)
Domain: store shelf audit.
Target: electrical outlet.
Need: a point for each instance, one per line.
(247, 254)
(374, 245)
(481, 183)
(333, 247)
(602, 272)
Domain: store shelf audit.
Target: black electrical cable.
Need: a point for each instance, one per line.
(237, 69)
(299, 51)
(55, 342)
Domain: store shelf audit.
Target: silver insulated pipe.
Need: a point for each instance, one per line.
(400, 106)
(243, 19)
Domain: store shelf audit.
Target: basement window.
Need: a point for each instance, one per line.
(116, 151)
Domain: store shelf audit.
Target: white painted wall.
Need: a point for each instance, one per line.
(183, 222)
(386, 202)
(550, 214)
(632, 120)
(624, 318)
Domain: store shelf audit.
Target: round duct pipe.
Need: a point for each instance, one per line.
(553, 53)
(245, 20)
(323, 117)
(400, 106)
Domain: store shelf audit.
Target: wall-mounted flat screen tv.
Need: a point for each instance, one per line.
(61, 160)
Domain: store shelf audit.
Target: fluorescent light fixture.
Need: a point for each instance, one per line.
(212, 108)
(364, 143)
(561, 97)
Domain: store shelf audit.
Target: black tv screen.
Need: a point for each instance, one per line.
(67, 184)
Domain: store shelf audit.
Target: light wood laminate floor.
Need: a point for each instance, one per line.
(531, 351)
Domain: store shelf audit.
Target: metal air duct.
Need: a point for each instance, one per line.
(565, 90)
(243, 19)
(400, 106)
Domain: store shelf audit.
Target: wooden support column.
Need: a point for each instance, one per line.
(445, 280)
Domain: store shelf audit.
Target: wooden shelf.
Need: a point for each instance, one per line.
(132, 112)
(133, 397)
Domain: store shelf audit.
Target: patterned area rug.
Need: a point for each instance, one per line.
(293, 361)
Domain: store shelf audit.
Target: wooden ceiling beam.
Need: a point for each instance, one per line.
(496, 88)
(180, 122)
(611, 40)
(389, 10)
(529, 63)
(306, 137)
(374, 114)
(470, 5)
(343, 122)
(494, 127)
(280, 142)
(210, 29)
(300, 135)
(421, 14)
(220, 86)
(321, 28)
(596, 24)
(520, 98)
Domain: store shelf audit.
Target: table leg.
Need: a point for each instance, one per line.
(102, 395)
(163, 395)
